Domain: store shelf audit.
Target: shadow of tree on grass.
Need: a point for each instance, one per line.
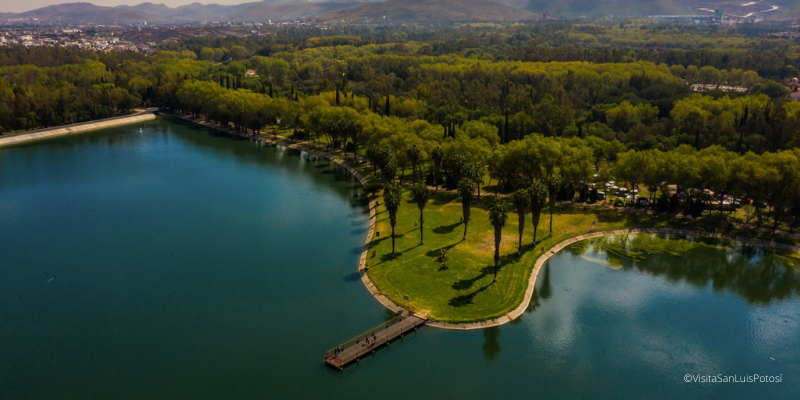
(445, 229)
(463, 300)
(435, 253)
(465, 284)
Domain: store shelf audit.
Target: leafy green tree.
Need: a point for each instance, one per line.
(206, 54)
(498, 215)
(770, 88)
(420, 195)
(388, 165)
(414, 154)
(238, 52)
(373, 157)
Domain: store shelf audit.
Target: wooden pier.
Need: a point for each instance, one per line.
(366, 343)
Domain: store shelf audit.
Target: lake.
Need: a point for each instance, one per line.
(166, 260)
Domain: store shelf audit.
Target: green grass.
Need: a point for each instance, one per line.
(443, 293)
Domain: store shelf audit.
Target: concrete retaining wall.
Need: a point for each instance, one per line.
(66, 130)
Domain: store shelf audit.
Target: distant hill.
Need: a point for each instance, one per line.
(285, 12)
(399, 11)
(756, 9)
(83, 13)
(276, 10)
(592, 8)
(190, 12)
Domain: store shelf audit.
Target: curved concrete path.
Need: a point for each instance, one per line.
(519, 310)
(144, 115)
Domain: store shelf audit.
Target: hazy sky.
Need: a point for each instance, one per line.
(26, 5)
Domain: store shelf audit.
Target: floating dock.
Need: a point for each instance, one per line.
(366, 343)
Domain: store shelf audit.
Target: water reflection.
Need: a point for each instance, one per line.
(546, 290)
(491, 346)
(757, 274)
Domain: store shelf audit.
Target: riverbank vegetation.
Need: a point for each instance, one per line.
(566, 115)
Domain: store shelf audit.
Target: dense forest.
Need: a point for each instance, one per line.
(520, 103)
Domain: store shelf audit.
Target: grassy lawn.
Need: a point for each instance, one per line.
(444, 293)
(464, 292)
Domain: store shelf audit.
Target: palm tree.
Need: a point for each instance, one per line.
(498, 215)
(420, 195)
(474, 172)
(538, 195)
(437, 154)
(392, 198)
(465, 189)
(521, 200)
(414, 154)
(553, 186)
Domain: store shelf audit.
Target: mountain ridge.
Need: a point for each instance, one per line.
(428, 11)
(396, 11)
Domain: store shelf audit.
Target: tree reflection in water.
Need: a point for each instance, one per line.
(491, 346)
(757, 274)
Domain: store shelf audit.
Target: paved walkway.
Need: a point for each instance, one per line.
(517, 312)
(139, 116)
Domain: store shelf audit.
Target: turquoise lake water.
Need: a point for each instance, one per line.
(176, 262)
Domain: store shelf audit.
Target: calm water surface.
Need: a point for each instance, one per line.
(177, 263)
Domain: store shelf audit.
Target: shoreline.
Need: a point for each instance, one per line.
(520, 309)
(41, 134)
(362, 261)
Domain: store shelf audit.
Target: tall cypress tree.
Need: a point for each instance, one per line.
(387, 106)
(337, 96)
(505, 131)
